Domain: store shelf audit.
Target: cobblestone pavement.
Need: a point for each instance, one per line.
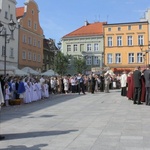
(100, 121)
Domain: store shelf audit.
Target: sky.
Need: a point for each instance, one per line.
(60, 17)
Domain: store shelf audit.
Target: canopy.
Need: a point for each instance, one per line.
(29, 70)
(50, 73)
(19, 72)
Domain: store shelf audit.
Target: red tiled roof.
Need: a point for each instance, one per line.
(87, 30)
(19, 12)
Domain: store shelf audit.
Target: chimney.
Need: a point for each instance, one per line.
(86, 23)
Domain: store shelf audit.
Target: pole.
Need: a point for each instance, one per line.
(5, 35)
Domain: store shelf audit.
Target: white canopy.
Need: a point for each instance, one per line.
(19, 72)
(29, 70)
(49, 73)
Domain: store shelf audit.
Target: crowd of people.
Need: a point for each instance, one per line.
(136, 85)
(34, 88)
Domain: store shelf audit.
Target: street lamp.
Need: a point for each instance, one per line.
(11, 26)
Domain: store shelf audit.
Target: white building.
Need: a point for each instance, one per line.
(87, 42)
(8, 12)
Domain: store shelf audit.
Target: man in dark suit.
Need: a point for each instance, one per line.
(147, 84)
(137, 85)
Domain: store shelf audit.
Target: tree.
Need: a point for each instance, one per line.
(61, 63)
(80, 65)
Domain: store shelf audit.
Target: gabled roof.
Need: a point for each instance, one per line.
(90, 29)
(19, 12)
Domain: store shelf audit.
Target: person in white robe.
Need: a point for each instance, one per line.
(35, 96)
(27, 97)
(46, 91)
(66, 84)
(39, 90)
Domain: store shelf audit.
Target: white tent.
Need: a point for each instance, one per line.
(20, 72)
(29, 70)
(49, 73)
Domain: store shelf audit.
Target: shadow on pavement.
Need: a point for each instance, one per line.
(15, 136)
(23, 147)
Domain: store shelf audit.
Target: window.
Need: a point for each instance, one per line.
(39, 58)
(75, 48)
(140, 27)
(68, 48)
(24, 39)
(6, 15)
(89, 60)
(35, 26)
(29, 23)
(32, 11)
(131, 58)
(96, 60)
(140, 40)
(89, 48)
(109, 29)
(119, 28)
(11, 52)
(109, 58)
(34, 57)
(29, 56)
(96, 47)
(34, 42)
(23, 55)
(118, 58)
(119, 40)
(139, 57)
(129, 27)
(29, 40)
(3, 50)
(39, 44)
(109, 39)
(129, 40)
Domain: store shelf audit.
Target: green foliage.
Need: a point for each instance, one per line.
(80, 65)
(61, 63)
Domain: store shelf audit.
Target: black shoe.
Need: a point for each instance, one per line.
(140, 103)
(134, 103)
(2, 137)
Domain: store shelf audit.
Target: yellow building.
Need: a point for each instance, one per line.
(126, 45)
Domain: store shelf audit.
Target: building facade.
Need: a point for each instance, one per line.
(30, 36)
(86, 42)
(126, 45)
(7, 13)
(49, 54)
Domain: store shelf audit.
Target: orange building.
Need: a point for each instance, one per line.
(126, 45)
(30, 37)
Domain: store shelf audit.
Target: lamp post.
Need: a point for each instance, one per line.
(11, 26)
